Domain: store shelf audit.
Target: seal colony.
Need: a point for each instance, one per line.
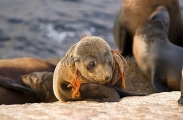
(87, 72)
(159, 59)
(26, 80)
(135, 12)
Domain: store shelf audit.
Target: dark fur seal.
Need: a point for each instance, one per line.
(159, 59)
(135, 12)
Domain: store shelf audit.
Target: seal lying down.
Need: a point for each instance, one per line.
(90, 71)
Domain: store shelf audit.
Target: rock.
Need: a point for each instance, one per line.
(162, 106)
(136, 81)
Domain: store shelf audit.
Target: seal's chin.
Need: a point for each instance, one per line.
(102, 82)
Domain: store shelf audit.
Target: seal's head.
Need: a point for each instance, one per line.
(152, 33)
(94, 59)
(156, 26)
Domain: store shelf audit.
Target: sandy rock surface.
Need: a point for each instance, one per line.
(157, 106)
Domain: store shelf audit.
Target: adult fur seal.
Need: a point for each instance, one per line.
(159, 59)
(14, 77)
(87, 71)
(135, 12)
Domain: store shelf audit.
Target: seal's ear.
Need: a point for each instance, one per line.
(160, 14)
(76, 59)
(83, 36)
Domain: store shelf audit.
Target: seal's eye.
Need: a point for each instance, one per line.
(91, 65)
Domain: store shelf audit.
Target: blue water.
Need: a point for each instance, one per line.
(48, 28)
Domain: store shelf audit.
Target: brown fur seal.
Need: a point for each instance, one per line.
(135, 12)
(88, 65)
(13, 86)
(180, 101)
(159, 59)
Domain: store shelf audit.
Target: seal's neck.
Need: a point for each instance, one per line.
(153, 31)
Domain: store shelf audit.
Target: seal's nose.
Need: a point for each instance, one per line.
(106, 77)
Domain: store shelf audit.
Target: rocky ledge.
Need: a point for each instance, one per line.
(162, 106)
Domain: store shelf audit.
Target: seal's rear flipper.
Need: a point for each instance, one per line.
(127, 93)
(158, 84)
(10, 84)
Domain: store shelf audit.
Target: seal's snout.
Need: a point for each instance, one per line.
(107, 77)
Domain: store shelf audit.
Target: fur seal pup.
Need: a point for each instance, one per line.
(87, 71)
(135, 12)
(14, 85)
(159, 59)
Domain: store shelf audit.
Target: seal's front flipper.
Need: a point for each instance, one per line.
(10, 84)
(180, 101)
(98, 93)
(127, 93)
(89, 92)
(159, 83)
